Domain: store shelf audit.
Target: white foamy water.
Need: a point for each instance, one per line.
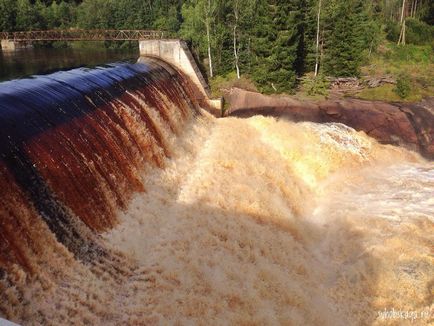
(265, 222)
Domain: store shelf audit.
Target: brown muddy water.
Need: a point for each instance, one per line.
(123, 203)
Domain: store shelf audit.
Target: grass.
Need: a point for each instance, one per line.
(393, 59)
(416, 62)
(386, 93)
(219, 84)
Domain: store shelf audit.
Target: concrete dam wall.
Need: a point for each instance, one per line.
(176, 53)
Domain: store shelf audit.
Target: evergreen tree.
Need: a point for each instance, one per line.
(278, 40)
(168, 19)
(66, 15)
(346, 39)
(199, 27)
(8, 14)
(27, 17)
(264, 36)
(97, 14)
(272, 41)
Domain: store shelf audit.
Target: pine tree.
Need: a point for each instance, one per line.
(8, 13)
(279, 44)
(168, 19)
(346, 38)
(27, 16)
(264, 36)
(97, 14)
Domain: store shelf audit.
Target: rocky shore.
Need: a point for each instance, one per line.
(410, 125)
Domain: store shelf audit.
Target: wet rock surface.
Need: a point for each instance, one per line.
(410, 125)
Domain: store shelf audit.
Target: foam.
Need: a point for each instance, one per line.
(260, 221)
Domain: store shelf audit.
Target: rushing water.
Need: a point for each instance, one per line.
(123, 203)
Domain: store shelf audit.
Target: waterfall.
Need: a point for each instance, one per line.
(124, 203)
(73, 145)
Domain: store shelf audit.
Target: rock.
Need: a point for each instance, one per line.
(375, 82)
(408, 125)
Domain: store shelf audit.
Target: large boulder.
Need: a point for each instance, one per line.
(409, 125)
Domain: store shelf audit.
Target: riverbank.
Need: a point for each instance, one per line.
(410, 125)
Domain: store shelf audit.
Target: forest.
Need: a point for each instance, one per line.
(272, 42)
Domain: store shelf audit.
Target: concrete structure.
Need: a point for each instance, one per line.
(11, 45)
(8, 45)
(177, 54)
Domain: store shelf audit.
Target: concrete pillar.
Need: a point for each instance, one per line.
(11, 45)
(8, 45)
(176, 53)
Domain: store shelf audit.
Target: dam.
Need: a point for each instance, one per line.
(151, 43)
(125, 202)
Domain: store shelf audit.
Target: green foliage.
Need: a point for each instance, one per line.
(57, 15)
(8, 13)
(277, 38)
(170, 22)
(427, 12)
(417, 62)
(96, 14)
(350, 31)
(419, 32)
(129, 14)
(403, 86)
(392, 29)
(220, 83)
(410, 53)
(27, 17)
(193, 26)
(312, 85)
(386, 93)
(273, 42)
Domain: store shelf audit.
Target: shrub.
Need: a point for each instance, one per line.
(409, 53)
(403, 86)
(315, 86)
(220, 83)
(419, 32)
(392, 30)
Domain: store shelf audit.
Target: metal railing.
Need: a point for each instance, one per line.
(83, 35)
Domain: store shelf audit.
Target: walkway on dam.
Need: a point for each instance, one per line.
(83, 35)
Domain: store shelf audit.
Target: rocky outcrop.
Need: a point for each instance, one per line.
(408, 125)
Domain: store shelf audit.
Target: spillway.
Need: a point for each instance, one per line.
(124, 203)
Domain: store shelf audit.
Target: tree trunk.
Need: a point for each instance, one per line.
(321, 49)
(401, 39)
(317, 39)
(403, 33)
(235, 39)
(209, 49)
(249, 53)
(236, 52)
(208, 37)
(370, 47)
